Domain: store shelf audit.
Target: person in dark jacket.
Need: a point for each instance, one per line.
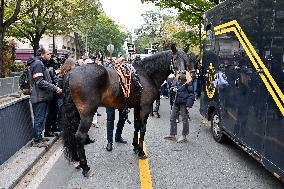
(183, 101)
(51, 125)
(110, 122)
(42, 91)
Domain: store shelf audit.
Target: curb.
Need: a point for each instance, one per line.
(10, 173)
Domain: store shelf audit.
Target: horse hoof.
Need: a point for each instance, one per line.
(142, 155)
(88, 173)
(77, 165)
(135, 150)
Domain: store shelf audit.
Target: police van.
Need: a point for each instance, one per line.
(243, 78)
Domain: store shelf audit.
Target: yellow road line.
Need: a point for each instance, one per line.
(145, 173)
(224, 28)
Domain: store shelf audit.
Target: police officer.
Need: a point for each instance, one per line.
(110, 126)
(110, 121)
(42, 91)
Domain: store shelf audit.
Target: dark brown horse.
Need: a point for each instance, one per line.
(92, 86)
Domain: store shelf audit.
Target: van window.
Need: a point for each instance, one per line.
(210, 39)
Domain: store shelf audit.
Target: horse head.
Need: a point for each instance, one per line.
(180, 60)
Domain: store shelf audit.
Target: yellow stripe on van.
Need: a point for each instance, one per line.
(233, 26)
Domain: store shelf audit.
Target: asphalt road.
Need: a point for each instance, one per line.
(200, 163)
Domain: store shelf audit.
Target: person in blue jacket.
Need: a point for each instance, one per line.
(183, 102)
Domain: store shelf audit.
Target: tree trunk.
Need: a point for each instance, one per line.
(186, 48)
(35, 44)
(200, 41)
(1, 52)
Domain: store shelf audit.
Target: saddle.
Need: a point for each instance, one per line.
(125, 76)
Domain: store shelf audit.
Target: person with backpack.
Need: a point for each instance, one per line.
(183, 102)
(24, 80)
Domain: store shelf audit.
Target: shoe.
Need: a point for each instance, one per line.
(49, 134)
(182, 139)
(94, 125)
(109, 147)
(45, 139)
(170, 137)
(177, 120)
(56, 130)
(89, 141)
(120, 140)
(98, 114)
(39, 144)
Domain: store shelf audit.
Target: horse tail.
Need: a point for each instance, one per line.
(70, 119)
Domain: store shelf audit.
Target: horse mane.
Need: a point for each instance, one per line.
(156, 63)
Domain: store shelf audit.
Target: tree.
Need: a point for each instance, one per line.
(189, 11)
(54, 17)
(104, 31)
(164, 30)
(9, 13)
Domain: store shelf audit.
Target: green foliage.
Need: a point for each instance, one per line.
(190, 11)
(164, 30)
(54, 17)
(17, 67)
(104, 31)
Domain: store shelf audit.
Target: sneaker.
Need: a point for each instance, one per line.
(109, 147)
(45, 139)
(39, 144)
(49, 134)
(182, 139)
(170, 137)
(120, 140)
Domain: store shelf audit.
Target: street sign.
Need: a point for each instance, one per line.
(110, 48)
(154, 48)
(130, 47)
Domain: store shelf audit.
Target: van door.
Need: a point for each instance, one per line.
(252, 92)
(274, 134)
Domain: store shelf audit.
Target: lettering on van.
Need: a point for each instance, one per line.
(210, 78)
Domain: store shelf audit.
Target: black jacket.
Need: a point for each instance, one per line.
(185, 95)
(42, 88)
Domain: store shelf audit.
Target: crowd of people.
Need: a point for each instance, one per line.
(45, 84)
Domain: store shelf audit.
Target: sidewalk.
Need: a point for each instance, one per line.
(15, 168)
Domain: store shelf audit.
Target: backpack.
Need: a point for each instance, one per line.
(24, 81)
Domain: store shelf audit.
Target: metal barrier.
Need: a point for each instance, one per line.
(9, 86)
(16, 128)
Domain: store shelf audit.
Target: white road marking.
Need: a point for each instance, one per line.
(39, 177)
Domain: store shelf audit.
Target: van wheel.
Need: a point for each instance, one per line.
(217, 130)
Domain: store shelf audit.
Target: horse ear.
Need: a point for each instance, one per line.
(174, 48)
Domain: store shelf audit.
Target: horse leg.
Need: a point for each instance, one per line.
(136, 129)
(144, 113)
(81, 139)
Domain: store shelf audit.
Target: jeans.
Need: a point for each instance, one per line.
(195, 87)
(110, 123)
(179, 109)
(40, 110)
